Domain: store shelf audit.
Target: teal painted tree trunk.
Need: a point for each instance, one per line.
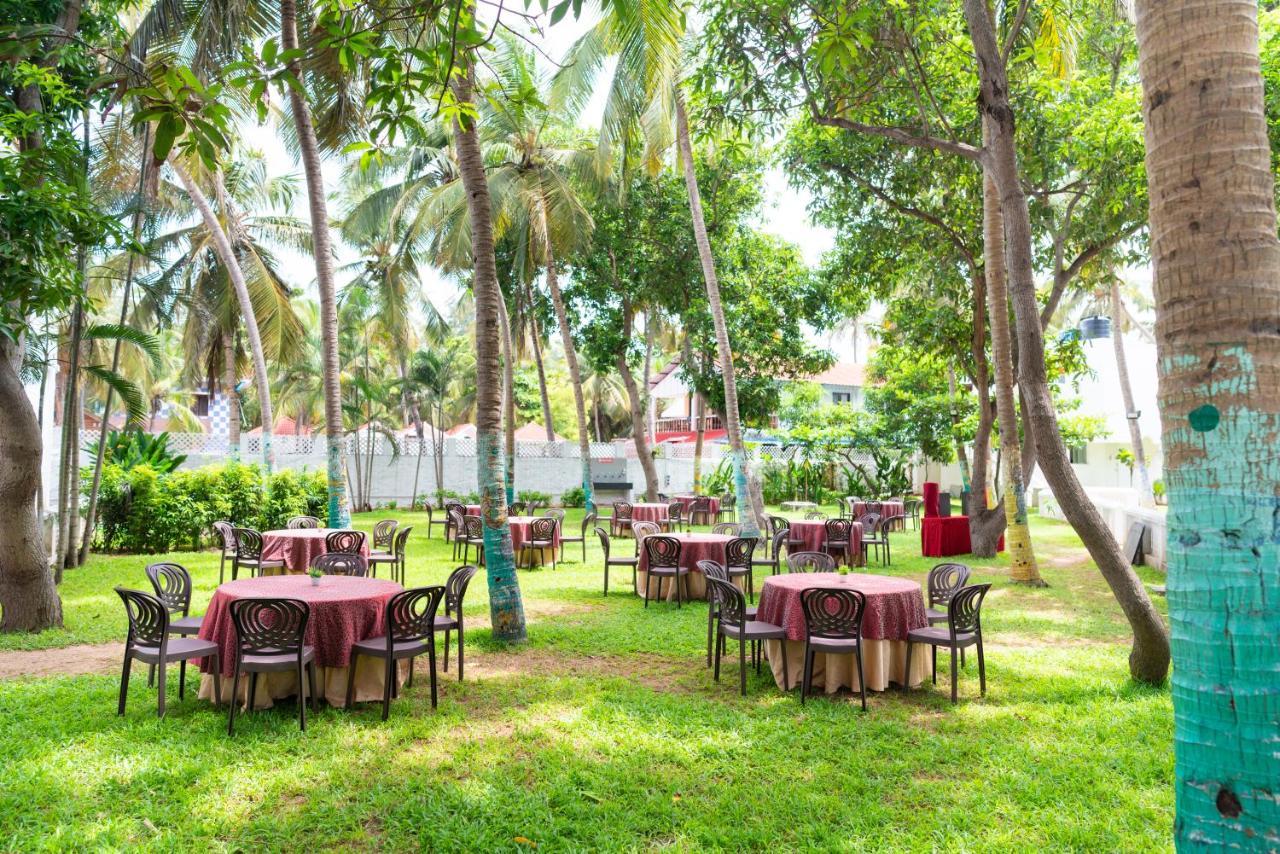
(1217, 290)
(506, 608)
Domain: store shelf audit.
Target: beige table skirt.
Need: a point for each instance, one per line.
(694, 586)
(370, 681)
(883, 661)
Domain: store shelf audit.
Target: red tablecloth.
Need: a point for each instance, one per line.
(521, 531)
(687, 501)
(894, 605)
(343, 611)
(930, 494)
(813, 532)
(299, 547)
(887, 508)
(472, 509)
(943, 536)
(648, 512)
(693, 548)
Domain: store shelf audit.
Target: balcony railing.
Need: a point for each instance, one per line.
(687, 424)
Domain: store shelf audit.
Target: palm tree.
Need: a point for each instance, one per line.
(645, 92)
(1217, 290)
(322, 251)
(533, 191)
(506, 609)
(1118, 316)
(1022, 558)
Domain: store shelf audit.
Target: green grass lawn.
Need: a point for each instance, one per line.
(607, 731)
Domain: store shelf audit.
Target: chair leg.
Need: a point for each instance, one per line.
(719, 648)
(906, 677)
(161, 669)
(648, 579)
(124, 681)
(742, 663)
(710, 629)
(446, 650)
(151, 675)
(222, 566)
(253, 690)
(808, 673)
(955, 655)
(606, 575)
(461, 641)
(934, 650)
(182, 679)
(351, 681)
(302, 696)
(386, 689)
(217, 679)
(431, 660)
(982, 667)
(235, 698)
(409, 682)
(313, 682)
(862, 682)
(786, 677)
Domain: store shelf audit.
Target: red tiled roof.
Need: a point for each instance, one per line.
(841, 373)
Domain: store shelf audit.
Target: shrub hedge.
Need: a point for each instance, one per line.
(144, 511)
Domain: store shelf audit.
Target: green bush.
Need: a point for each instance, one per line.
(573, 497)
(147, 512)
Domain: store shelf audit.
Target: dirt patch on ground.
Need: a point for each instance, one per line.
(67, 661)
(655, 672)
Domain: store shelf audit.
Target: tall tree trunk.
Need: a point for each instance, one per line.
(753, 518)
(322, 250)
(229, 381)
(1145, 495)
(1022, 557)
(570, 357)
(1149, 658)
(535, 334)
(91, 517)
(28, 597)
(437, 449)
(635, 406)
(227, 256)
(73, 474)
(700, 423)
(508, 399)
(68, 477)
(506, 610)
(962, 457)
(1217, 294)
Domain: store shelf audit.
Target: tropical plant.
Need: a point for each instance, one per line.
(130, 448)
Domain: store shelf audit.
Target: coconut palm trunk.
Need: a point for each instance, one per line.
(508, 400)
(700, 414)
(752, 518)
(535, 336)
(635, 406)
(231, 393)
(1149, 657)
(227, 256)
(322, 249)
(68, 472)
(1145, 495)
(1022, 557)
(962, 457)
(570, 357)
(1217, 294)
(506, 609)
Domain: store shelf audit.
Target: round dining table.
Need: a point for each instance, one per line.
(693, 548)
(298, 547)
(811, 534)
(522, 532)
(649, 512)
(894, 607)
(887, 508)
(343, 611)
(687, 502)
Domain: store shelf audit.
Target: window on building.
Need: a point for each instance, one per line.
(1079, 454)
(200, 406)
(842, 397)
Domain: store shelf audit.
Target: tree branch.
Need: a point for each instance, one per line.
(900, 135)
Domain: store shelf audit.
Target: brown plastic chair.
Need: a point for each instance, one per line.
(542, 536)
(728, 507)
(298, 523)
(715, 569)
(249, 554)
(945, 580)
(451, 528)
(620, 522)
(588, 522)
(457, 528)
(632, 561)
(839, 539)
(833, 626)
(870, 534)
(172, 584)
(964, 629)
(663, 555)
(432, 521)
(554, 513)
(455, 590)
(269, 639)
(732, 622)
(772, 555)
(150, 640)
(815, 516)
(675, 517)
(344, 542)
(394, 557)
(729, 529)
(700, 511)
(473, 537)
(810, 562)
(338, 563)
(384, 532)
(738, 562)
(226, 534)
(410, 622)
